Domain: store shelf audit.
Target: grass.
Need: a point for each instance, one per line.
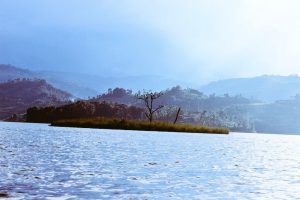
(105, 123)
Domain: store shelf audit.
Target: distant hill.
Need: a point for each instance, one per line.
(9, 72)
(266, 88)
(86, 85)
(100, 84)
(59, 80)
(17, 95)
(279, 117)
(190, 100)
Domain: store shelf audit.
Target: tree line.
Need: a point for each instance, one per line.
(83, 109)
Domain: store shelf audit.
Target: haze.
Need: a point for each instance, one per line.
(194, 40)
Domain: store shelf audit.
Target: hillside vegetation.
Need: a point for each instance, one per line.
(18, 95)
(188, 99)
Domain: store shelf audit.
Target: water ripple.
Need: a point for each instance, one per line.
(42, 162)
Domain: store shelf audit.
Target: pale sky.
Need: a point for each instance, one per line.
(185, 39)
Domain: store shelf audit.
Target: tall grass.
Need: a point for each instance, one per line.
(106, 123)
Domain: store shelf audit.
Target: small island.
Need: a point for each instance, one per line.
(148, 115)
(105, 123)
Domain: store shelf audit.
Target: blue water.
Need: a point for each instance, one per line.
(42, 162)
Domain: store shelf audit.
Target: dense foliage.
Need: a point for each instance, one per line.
(82, 109)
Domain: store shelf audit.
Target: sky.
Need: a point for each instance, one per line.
(194, 40)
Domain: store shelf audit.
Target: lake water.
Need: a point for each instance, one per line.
(42, 162)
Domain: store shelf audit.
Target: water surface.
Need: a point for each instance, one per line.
(42, 162)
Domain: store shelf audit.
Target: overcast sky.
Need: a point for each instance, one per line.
(184, 39)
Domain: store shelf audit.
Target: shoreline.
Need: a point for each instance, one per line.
(119, 124)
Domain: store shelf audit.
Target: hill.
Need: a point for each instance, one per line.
(57, 79)
(86, 85)
(266, 88)
(279, 117)
(17, 95)
(9, 72)
(188, 99)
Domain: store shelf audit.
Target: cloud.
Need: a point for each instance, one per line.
(237, 37)
(194, 39)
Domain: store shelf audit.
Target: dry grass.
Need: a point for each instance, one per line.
(105, 123)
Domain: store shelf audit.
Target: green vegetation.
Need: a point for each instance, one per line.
(83, 109)
(105, 123)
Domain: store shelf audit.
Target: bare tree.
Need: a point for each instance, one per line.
(177, 115)
(148, 98)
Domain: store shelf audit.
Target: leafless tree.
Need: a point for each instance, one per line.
(177, 115)
(148, 98)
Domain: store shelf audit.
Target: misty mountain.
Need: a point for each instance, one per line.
(85, 85)
(9, 72)
(278, 117)
(100, 84)
(266, 88)
(59, 80)
(17, 95)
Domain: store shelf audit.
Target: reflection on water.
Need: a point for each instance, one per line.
(41, 162)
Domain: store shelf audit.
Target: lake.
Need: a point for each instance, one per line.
(42, 162)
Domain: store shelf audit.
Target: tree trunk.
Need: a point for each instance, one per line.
(177, 114)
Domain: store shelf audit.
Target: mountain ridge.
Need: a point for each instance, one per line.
(268, 88)
(86, 85)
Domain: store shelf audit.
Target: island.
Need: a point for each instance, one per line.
(105, 123)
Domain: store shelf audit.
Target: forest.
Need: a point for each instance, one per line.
(83, 109)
